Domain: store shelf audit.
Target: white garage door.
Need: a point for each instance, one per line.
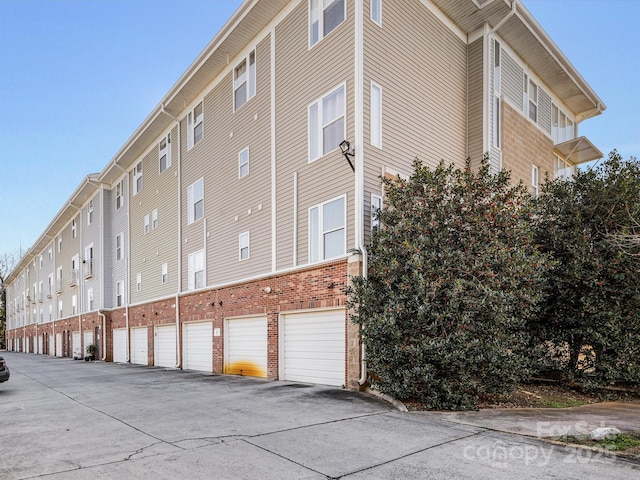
(77, 346)
(120, 345)
(198, 347)
(312, 347)
(139, 346)
(165, 346)
(246, 346)
(52, 349)
(58, 344)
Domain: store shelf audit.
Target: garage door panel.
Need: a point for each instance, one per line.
(246, 347)
(139, 346)
(313, 347)
(198, 347)
(165, 346)
(120, 345)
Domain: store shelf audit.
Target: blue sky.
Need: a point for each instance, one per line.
(77, 77)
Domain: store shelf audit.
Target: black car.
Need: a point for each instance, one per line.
(4, 371)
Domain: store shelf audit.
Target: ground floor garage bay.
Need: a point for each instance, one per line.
(250, 329)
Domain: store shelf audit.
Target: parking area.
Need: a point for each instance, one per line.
(67, 419)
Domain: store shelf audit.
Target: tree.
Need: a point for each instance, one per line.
(591, 312)
(454, 279)
(7, 262)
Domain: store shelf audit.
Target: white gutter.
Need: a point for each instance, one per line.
(104, 336)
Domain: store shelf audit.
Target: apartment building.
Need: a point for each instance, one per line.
(222, 235)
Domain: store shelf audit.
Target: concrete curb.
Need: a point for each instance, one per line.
(397, 404)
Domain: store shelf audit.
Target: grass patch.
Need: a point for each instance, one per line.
(626, 444)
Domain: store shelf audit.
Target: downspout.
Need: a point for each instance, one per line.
(104, 336)
(359, 141)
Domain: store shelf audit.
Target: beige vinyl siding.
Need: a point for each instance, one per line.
(476, 95)
(92, 234)
(304, 75)
(422, 68)
(512, 78)
(118, 224)
(149, 251)
(70, 248)
(215, 160)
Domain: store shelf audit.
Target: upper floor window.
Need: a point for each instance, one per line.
(195, 200)
(376, 11)
(74, 230)
(243, 242)
(562, 127)
(243, 163)
(138, 281)
(376, 206)
(90, 212)
(376, 115)
(59, 243)
(120, 246)
(534, 181)
(50, 253)
(165, 273)
(147, 224)
(119, 294)
(562, 168)
(195, 125)
(154, 219)
(119, 194)
(196, 270)
(326, 123)
(165, 153)
(137, 178)
(530, 100)
(324, 17)
(327, 232)
(244, 80)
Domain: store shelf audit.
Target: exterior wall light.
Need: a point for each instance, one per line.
(348, 151)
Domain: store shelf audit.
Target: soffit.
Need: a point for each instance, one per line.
(530, 42)
(577, 151)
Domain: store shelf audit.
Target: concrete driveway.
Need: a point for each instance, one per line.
(67, 419)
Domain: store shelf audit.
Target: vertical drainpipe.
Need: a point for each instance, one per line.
(359, 152)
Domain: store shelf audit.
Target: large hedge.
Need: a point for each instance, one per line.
(454, 279)
(591, 316)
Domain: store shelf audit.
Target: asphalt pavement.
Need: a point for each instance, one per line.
(66, 419)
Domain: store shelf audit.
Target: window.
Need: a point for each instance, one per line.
(165, 153)
(165, 273)
(147, 223)
(327, 230)
(154, 219)
(88, 261)
(59, 308)
(59, 243)
(50, 252)
(120, 246)
(562, 127)
(119, 194)
(497, 86)
(530, 100)
(90, 212)
(195, 126)
(74, 229)
(139, 282)
(119, 294)
(376, 206)
(243, 241)
(244, 81)
(562, 168)
(534, 181)
(376, 115)
(74, 305)
(326, 123)
(376, 11)
(324, 17)
(90, 299)
(243, 163)
(195, 200)
(137, 178)
(196, 270)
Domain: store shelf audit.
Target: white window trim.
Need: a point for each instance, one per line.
(192, 123)
(120, 249)
(166, 152)
(165, 273)
(321, 232)
(241, 164)
(248, 79)
(535, 180)
(137, 175)
(90, 212)
(377, 21)
(120, 294)
(321, 34)
(243, 243)
(375, 199)
(191, 270)
(147, 224)
(154, 219)
(74, 228)
(191, 201)
(139, 282)
(320, 127)
(373, 115)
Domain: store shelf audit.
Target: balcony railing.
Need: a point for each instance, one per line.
(73, 278)
(88, 268)
(58, 286)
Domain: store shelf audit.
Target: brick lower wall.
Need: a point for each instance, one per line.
(317, 287)
(524, 145)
